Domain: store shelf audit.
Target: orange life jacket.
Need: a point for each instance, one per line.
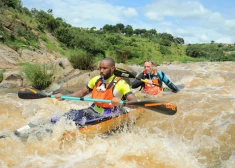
(107, 94)
(152, 89)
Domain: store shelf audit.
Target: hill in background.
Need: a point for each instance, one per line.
(22, 28)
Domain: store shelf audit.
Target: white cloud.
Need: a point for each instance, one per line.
(230, 23)
(204, 38)
(166, 23)
(130, 12)
(175, 8)
(85, 13)
(188, 19)
(154, 16)
(224, 40)
(183, 32)
(215, 17)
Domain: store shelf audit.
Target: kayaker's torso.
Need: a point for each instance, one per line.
(112, 87)
(157, 83)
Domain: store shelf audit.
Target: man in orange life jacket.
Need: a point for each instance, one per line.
(151, 80)
(105, 86)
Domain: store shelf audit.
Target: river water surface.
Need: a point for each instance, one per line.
(200, 135)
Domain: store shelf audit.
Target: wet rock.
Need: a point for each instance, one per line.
(12, 79)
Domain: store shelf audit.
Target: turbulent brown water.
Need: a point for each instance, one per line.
(200, 135)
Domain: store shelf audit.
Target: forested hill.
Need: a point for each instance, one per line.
(24, 28)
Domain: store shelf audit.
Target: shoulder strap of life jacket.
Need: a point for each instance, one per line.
(145, 73)
(114, 81)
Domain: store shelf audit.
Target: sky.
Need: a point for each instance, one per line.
(196, 21)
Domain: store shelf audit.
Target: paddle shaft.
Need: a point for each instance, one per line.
(164, 108)
(87, 99)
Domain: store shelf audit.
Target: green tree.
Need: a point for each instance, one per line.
(64, 35)
(165, 42)
(128, 30)
(166, 36)
(16, 4)
(179, 40)
(194, 51)
(152, 31)
(137, 32)
(109, 28)
(120, 27)
(122, 55)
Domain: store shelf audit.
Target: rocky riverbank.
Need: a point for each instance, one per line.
(65, 77)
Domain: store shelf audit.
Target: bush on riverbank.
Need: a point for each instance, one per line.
(81, 59)
(37, 74)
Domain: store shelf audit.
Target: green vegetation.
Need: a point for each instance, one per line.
(81, 59)
(21, 27)
(1, 74)
(37, 74)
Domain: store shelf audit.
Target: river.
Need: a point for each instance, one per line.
(200, 135)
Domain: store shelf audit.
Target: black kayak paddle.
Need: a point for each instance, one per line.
(154, 105)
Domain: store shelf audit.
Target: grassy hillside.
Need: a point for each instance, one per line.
(21, 28)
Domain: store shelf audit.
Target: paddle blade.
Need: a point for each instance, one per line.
(164, 108)
(30, 93)
(123, 73)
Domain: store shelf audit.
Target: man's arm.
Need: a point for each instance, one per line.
(124, 90)
(81, 93)
(138, 82)
(85, 90)
(173, 87)
(130, 97)
(168, 82)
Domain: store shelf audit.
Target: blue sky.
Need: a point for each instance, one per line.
(196, 21)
